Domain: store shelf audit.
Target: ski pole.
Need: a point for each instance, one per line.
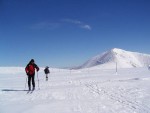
(26, 83)
(38, 81)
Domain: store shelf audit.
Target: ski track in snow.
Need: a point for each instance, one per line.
(120, 96)
(79, 92)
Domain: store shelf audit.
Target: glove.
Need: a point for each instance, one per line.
(27, 73)
(37, 69)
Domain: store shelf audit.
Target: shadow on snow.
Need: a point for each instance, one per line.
(13, 90)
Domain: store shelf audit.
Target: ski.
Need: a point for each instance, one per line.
(30, 91)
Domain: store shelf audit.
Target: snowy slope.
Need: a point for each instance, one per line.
(11, 70)
(78, 91)
(124, 59)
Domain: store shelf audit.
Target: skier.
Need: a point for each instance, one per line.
(46, 70)
(30, 71)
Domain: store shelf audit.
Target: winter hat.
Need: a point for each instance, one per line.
(46, 67)
(32, 60)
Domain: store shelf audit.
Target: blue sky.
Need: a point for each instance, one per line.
(62, 33)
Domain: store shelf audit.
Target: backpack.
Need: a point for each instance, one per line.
(30, 69)
(46, 70)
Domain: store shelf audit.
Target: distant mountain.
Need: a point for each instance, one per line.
(124, 59)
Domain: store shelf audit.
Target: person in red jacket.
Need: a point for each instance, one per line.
(30, 71)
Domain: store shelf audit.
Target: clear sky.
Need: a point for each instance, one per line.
(63, 33)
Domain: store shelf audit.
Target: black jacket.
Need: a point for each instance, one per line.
(46, 70)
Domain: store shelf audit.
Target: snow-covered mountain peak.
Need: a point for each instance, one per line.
(124, 59)
(117, 50)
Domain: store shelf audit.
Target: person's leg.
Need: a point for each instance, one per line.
(46, 77)
(29, 82)
(33, 82)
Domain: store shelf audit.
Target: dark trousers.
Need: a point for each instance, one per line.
(46, 77)
(31, 78)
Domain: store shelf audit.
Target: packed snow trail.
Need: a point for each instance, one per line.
(82, 91)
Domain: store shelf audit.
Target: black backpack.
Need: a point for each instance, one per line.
(46, 70)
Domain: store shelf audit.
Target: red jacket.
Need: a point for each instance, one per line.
(30, 69)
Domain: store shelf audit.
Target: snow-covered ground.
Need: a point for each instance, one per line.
(78, 91)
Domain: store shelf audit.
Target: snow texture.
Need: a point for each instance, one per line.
(97, 87)
(91, 90)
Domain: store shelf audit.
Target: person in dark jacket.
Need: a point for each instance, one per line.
(46, 70)
(30, 71)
